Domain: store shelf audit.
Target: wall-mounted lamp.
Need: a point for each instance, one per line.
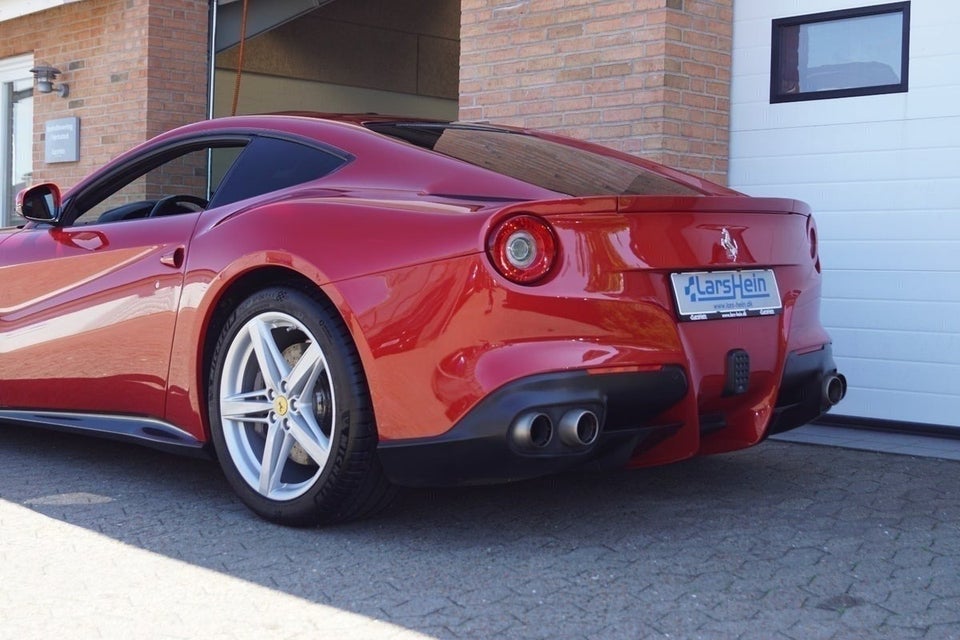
(45, 75)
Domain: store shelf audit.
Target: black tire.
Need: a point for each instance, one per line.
(287, 379)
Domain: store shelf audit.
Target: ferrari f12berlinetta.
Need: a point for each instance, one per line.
(334, 306)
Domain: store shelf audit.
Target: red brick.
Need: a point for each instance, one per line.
(551, 121)
(612, 85)
(565, 31)
(581, 73)
(618, 69)
(580, 118)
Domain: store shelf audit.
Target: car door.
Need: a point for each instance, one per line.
(88, 314)
(88, 310)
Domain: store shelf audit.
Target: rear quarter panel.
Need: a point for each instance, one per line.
(326, 240)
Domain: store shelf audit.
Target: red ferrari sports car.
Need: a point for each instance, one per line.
(334, 306)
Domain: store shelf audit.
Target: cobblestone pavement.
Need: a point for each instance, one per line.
(100, 539)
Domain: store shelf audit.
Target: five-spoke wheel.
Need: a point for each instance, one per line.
(290, 412)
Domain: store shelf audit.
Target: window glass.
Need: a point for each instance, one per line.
(270, 164)
(550, 165)
(185, 174)
(840, 53)
(220, 162)
(16, 135)
(21, 131)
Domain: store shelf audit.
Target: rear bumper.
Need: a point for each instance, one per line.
(493, 442)
(804, 394)
(484, 446)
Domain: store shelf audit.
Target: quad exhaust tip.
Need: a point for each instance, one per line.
(579, 428)
(834, 388)
(533, 430)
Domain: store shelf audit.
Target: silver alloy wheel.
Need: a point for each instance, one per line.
(277, 406)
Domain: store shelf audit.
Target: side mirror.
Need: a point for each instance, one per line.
(40, 203)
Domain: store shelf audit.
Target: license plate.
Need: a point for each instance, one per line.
(706, 295)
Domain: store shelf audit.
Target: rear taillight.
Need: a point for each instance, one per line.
(523, 249)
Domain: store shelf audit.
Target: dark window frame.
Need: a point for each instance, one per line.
(778, 25)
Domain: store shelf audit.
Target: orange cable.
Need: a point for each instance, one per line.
(243, 40)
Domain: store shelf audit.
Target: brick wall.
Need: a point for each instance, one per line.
(650, 77)
(135, 68)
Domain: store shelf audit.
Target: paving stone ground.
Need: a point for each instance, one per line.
(790, 541)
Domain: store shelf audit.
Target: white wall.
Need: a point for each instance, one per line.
(10, 9)
(882, 174)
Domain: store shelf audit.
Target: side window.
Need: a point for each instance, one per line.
(221, 160)
(270, 164)
(192, 174)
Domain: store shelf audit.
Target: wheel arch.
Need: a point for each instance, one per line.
(232, 294)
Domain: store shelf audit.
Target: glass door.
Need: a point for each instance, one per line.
(16, 133)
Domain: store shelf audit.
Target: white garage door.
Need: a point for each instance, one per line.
(882, 173)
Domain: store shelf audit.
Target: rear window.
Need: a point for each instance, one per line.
(544, 163)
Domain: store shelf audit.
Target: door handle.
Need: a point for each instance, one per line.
(173, 259)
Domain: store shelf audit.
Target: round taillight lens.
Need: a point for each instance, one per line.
(523, 249)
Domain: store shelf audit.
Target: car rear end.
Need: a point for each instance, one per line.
(725, 288)
(629, 330)
(668, 319)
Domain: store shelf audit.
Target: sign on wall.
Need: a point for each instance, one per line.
(62, 140)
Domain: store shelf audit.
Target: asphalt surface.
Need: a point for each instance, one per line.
(106, 540)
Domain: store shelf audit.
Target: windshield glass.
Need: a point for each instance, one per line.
(544, 163)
